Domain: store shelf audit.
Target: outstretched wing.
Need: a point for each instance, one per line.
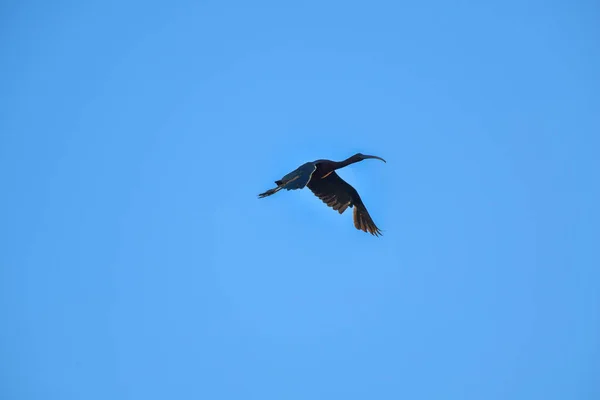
(298, 178)
(339, 195)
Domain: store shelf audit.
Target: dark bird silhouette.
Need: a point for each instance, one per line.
(326, 184)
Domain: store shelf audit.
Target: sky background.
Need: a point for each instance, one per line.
(136, 261)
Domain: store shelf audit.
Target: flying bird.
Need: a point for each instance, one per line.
(326, 184)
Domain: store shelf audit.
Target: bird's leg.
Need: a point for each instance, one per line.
(270, 192)
(280, 185)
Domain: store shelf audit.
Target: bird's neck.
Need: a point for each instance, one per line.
(345, 163)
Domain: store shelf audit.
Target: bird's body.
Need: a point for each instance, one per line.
(326, 184)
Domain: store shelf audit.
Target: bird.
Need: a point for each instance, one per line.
(326, 184)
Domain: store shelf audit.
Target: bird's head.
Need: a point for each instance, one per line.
(360, 157)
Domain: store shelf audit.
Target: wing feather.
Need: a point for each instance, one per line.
(298, 178)
(339, 195)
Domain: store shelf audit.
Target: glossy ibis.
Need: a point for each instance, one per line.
(322, 180)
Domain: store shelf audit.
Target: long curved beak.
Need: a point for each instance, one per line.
(379, 158)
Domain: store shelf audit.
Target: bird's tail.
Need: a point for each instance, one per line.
(270, 192)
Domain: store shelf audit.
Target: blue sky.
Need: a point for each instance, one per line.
(137, 262)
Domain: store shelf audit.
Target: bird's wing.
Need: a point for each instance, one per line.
(339, 195)
(298, 178)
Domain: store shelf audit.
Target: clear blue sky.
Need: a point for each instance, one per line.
(137, 262)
